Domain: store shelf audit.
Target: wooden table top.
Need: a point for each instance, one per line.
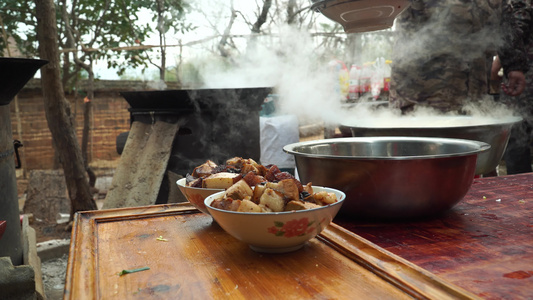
(484, 244)
(176, 252)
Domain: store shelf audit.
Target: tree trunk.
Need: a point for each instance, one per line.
(261, 19)
(291, 12)
(162, 38)
(87, 118)
(58, 113)
(226, 35)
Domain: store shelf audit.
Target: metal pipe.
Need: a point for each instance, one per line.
(15, 74)
(11, 242)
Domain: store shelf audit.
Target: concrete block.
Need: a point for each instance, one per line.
(30, 257)
(16, 282)
(53, 249)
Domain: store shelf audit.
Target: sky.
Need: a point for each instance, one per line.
(217, 10)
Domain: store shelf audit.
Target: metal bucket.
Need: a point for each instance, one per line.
(493, 131)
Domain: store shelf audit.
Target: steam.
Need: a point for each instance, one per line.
(462, 31)
(464, 36)
(303, 83)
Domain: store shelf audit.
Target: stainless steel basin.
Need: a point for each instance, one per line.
(494, 131)
(390, 177)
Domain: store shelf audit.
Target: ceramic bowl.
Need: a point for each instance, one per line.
(196, 196)
(276, 232)
(2, 228)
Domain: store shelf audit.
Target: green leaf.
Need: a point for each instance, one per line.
(278, 224)
(124, 272)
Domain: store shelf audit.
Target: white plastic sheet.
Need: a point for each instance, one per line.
(276, 132)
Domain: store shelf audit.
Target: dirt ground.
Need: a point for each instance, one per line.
(54, 268)
(54, 271)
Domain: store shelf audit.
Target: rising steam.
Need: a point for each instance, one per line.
(305, 85)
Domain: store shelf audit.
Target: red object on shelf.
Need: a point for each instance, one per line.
(3, 225)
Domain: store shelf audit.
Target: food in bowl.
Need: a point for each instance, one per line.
(209, 178)
(211, 175)
(276, 232)
(285, 195)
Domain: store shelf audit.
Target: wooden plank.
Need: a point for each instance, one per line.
(142, 165)
(190, 257)
(483, 245)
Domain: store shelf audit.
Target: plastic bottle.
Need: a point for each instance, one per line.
(344, 82)
(353, 88)
(358, 86)
(376, 79)
(386, 75)
(375, 87)
(366, 73)
(333, 68)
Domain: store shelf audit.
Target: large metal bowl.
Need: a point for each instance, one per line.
(390, 177)
(494, 131)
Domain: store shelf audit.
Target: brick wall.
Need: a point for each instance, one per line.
(110, 118)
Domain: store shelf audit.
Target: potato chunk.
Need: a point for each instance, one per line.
(299, 205)
(258, 191)
(273, 200)
(222, 180)
(325, 198)
(249, 206)
(287, 187)
(239, 190)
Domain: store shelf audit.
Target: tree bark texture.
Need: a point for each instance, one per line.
(87, 119)
(58, 113)
(261, 19)
(226, 36)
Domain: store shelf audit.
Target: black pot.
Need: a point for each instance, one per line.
(14, 74)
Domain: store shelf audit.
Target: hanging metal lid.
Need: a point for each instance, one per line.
(361, 15)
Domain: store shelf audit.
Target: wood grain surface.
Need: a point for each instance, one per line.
(484, 244)
(190, 257)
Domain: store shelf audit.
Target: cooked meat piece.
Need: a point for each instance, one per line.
(204, 169)
(325, 198)
(197, 183)
(287, 187)
(258, 191)
(271, 173)
(222, 203)
(253, 179)
(235, 162)
(299, 205)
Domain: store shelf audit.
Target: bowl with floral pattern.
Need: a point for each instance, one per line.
(276, 232)
(196, 196)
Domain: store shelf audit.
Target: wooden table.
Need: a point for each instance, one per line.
(179, 253)
(481, 248)
(484, 244)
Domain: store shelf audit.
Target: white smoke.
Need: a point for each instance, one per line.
(304, 85)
